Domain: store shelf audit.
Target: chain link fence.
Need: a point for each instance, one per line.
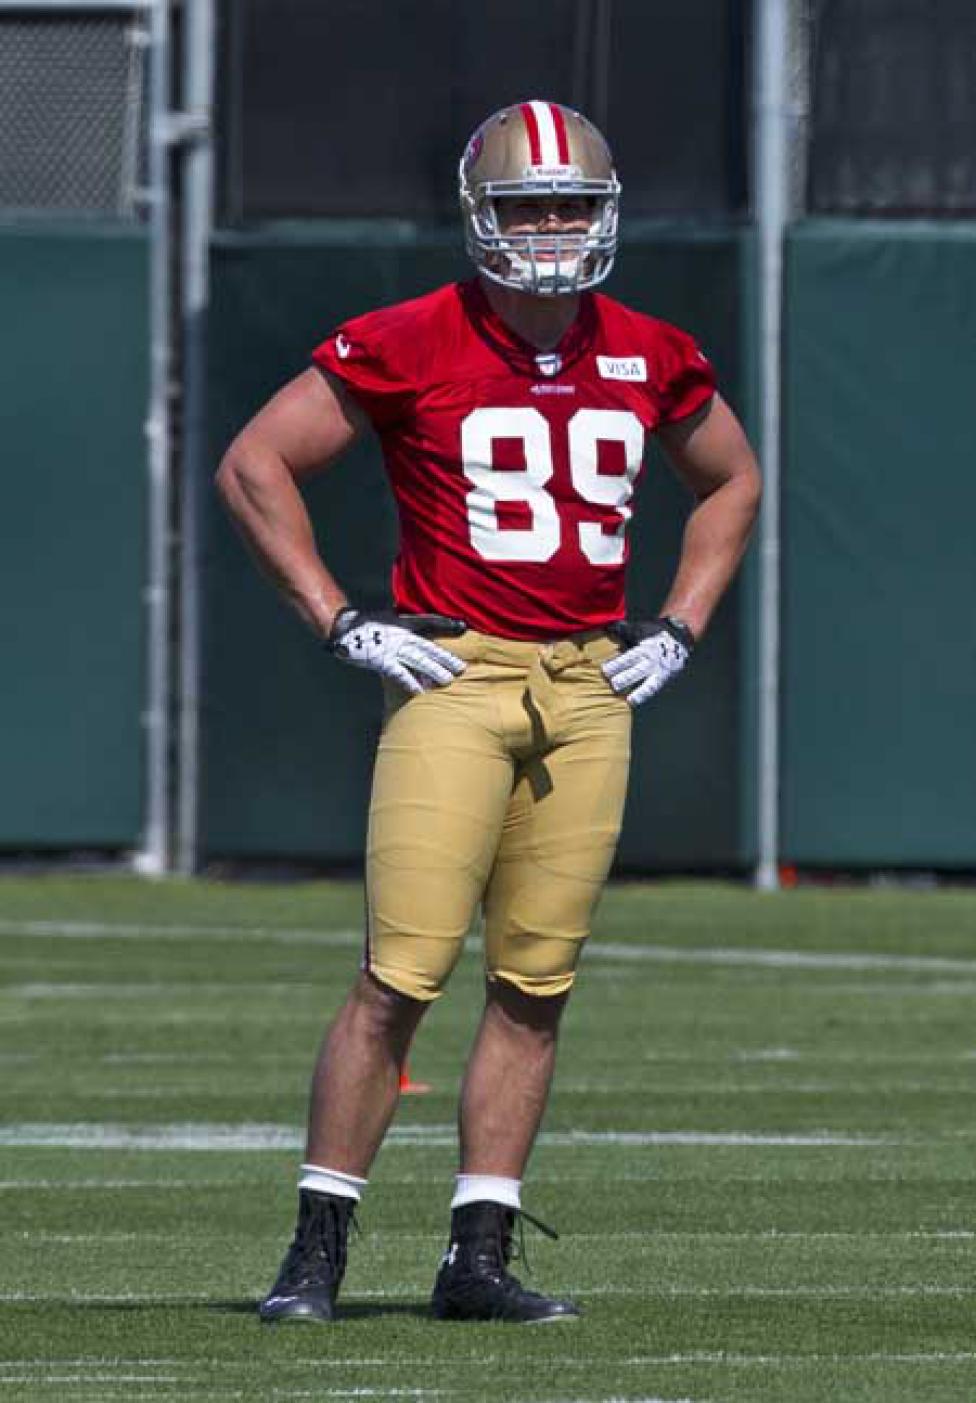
(72, 112)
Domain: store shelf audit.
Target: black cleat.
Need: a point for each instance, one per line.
(315, 1264)
(474, 1282)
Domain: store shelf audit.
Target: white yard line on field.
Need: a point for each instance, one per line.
(653, 1237)
(205, 1136)
(102, 930)
(852, 1293)
(658, 1236)
(157, 988)
(596, 950)
(276, 1060)
(777, 959)
(872, 986)
(861, 1057)
(446, 1135)
(660, 1085)
(41, 1235)
(720, 1358)
(677, 1358)
(96, 1362)
(843, 1293)
(201, 1062)
(86, 1378)
(733, 1057)
(358, 1393)
(903, 989)
(13, 1185)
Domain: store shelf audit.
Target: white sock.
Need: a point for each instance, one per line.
(331, 1181)
(491, 1188)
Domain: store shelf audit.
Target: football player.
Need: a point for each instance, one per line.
(513, 412)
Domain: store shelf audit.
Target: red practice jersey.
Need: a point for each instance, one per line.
(513, 469)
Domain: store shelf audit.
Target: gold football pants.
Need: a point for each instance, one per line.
(504, 788)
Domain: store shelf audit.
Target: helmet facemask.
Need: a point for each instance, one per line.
(548, 263)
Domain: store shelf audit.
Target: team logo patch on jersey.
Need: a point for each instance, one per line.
(550, 363)
(622, 367)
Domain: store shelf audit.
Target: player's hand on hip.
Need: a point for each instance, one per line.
(654, 653)
(398, 646)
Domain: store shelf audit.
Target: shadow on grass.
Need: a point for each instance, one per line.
(353, 1310)
(348, 1311)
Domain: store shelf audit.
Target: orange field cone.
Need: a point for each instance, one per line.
(412, 1088)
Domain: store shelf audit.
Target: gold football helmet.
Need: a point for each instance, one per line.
(529, 150)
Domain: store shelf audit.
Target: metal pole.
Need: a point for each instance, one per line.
(195, 299)
(771, 124)
(154, 858)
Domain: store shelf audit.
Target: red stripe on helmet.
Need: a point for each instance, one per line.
(532, 129)
(562, 136)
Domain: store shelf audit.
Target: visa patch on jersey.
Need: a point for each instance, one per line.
(622, 367)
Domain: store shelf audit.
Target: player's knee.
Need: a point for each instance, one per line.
(535, 1009)
(385, 1006)
(414, 974)
(538, 987)
(540, 967)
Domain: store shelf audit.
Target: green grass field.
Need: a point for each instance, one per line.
(760, 1153)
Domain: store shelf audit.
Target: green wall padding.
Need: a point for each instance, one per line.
(288, 733)
(879, 685)
(73, 364)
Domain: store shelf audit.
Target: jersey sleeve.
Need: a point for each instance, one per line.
(687, 377)
(365, 359)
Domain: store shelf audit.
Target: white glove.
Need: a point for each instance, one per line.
(655, 652)
(395, 646)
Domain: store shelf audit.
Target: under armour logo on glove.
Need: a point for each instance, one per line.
(654, 652)
(398, 646)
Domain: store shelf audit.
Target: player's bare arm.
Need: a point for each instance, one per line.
(304, 428)
(711, 454)
(300, 432)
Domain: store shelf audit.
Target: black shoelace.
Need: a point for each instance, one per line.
(508, 1248)
(519, 1252)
